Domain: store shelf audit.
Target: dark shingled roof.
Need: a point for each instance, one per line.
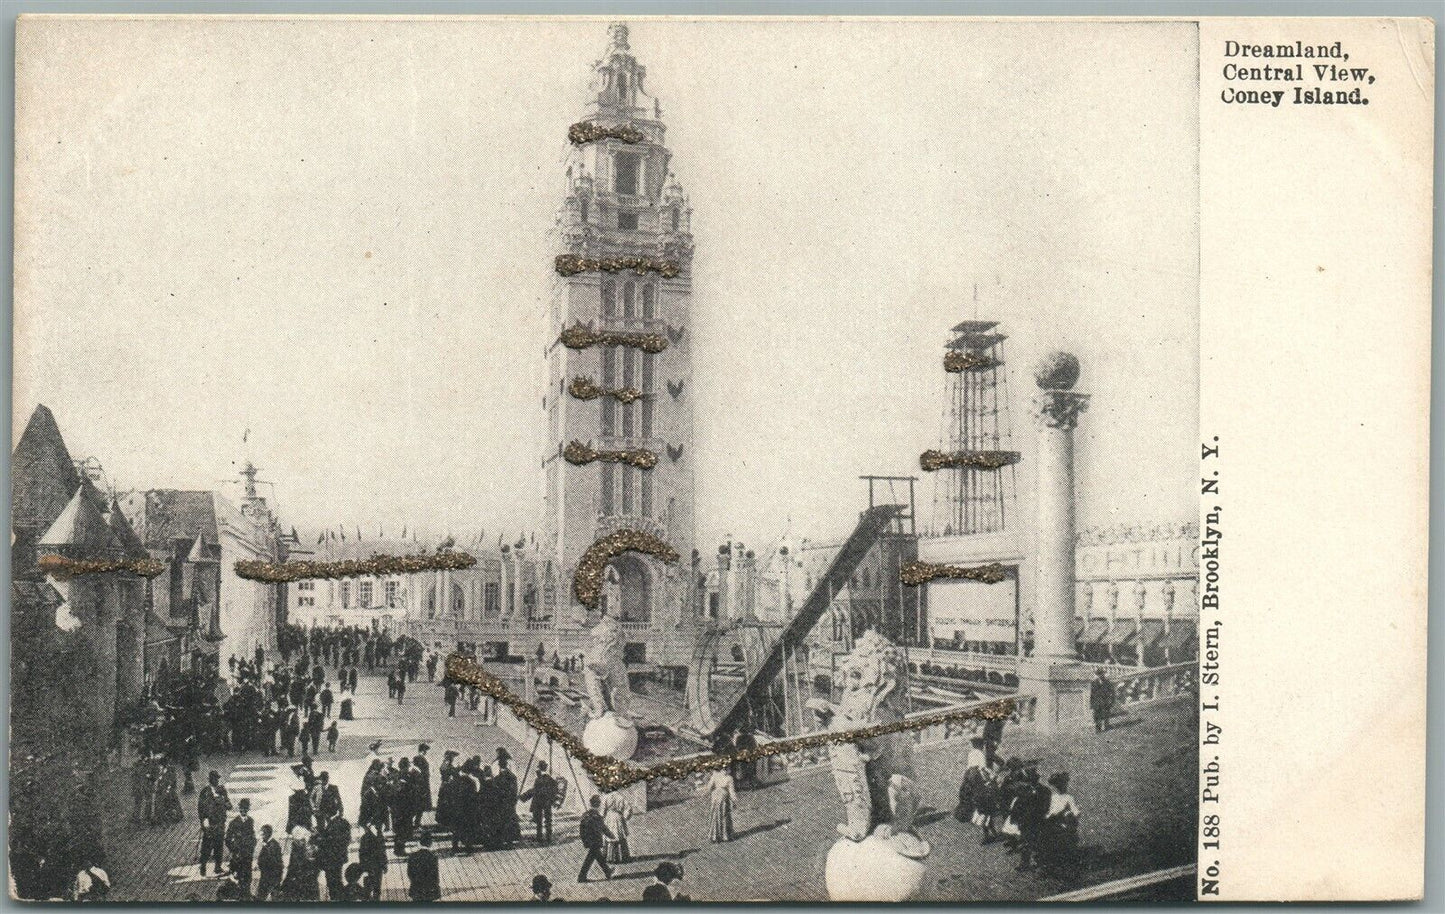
(80, 525)
(162, 516)
(42, 475)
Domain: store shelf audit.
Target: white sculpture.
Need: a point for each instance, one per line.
(609, 731)
(874, 778)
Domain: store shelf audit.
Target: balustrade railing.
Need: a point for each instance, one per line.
(1154, 684)
(608, 523)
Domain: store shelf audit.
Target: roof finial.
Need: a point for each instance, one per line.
(617, 32)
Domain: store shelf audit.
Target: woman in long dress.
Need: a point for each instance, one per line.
(615, 813)
(722, 794)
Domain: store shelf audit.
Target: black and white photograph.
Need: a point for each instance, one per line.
(418, 421)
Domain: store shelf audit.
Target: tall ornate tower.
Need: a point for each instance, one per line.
(611, 394)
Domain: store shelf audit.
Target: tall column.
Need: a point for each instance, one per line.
(1053, 675)
(1056, 409)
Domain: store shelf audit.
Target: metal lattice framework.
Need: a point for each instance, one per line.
(972, 495)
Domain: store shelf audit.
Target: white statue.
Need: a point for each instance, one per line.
(874, 778)
(609, 730)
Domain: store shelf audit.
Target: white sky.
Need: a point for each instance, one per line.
(334, 234)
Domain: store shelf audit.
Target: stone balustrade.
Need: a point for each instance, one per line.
(1140, 686)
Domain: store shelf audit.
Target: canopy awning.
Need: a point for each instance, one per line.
(1096, 631)
(1123, 632)
(1181, 632)
(1150, 631)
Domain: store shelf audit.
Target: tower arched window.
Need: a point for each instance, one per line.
(609, 299)
(676, 216)
(584, 208)
(622, 88)
(459, 601)
(649, 301)
(626, 173)
(629, 299)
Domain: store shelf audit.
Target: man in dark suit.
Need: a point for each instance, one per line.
(422, 874)
(593, 831)
(422, 767)
(270, 863)
(333, 844)
(371, 854)
(543, 796)
(403, 806)
(212, 806)
(1029, 812)
(509, 826)
(1101, 700)
(241, 842)
(326, 797)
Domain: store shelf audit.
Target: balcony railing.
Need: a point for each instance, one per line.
(629, 443)
(1156, 684)
(608, 523)
(634, 324)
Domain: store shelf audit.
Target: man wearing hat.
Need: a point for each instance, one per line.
(212, 805)
(541, 888)
(593, 832)
(1029, 811)
(423, 769)
(543, 796)
(506, 786)
(271, 863)
(241, 842)
(422, 873)
(1101, 699)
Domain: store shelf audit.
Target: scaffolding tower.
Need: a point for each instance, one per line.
(971, 493)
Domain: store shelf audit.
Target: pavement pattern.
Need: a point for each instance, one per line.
(1136, 785)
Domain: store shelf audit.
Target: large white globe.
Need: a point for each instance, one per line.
(611, 735)
(871, 870)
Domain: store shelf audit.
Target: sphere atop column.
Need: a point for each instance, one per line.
(1057, 371)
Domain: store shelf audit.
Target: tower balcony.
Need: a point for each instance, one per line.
(629, 443)
(634, 324)
(611, 523)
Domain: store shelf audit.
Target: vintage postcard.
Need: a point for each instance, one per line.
(801, 460)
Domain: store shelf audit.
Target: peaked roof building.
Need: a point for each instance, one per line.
(43, 479)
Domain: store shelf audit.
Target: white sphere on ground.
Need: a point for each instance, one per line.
(612, 736)
(871, 870)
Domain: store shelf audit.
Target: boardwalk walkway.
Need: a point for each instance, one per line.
(1135, 783)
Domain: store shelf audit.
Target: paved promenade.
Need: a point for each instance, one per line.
(1135, 784)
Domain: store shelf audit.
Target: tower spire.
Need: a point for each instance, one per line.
(622, 201)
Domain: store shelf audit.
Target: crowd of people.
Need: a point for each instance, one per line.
(402, 811)
(402, 814)
(1010, 803)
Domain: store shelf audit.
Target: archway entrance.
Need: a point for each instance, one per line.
(635, 584)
